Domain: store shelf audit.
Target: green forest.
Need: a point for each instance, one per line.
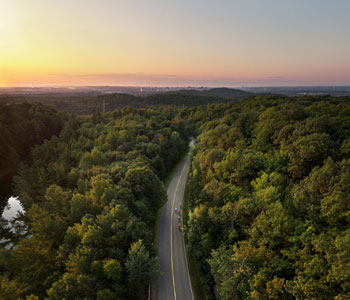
(23, 126)
(90, 195)
(269, 193)
(87, 103)
(268, 196)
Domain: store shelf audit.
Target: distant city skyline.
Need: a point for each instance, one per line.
(174, 43)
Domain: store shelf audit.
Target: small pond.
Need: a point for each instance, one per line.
(12, 208)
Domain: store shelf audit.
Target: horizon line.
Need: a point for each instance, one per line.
(58, 86)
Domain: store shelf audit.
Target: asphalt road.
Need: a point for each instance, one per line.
(174, 281)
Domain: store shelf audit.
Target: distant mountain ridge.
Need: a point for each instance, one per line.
(86, 103)
(216, 92)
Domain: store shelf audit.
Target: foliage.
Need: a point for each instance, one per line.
(269, 199)
(90, 196)
(268, 195)
(86, 102)
(21, 127)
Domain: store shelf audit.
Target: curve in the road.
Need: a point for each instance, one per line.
(174, 281)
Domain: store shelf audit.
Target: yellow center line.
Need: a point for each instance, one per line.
(171, 231)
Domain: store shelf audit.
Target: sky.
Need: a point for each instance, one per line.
(174, 42)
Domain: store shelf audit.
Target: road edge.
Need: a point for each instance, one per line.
(193, 268)
(166, 182)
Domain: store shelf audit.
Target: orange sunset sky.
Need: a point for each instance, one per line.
(172, 43)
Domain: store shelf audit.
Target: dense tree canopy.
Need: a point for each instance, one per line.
(90, 196)
(21, 127)
(269, 199)
(86, 102)
(268, 194)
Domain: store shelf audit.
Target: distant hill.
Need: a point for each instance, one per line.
(185, 98)
(215, 92)
(86, 103)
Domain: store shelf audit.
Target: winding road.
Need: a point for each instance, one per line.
(174, 281)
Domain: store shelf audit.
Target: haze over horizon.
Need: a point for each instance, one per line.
(174, 43)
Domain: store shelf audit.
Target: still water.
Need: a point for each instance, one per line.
(12, 208)
(11, 211)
